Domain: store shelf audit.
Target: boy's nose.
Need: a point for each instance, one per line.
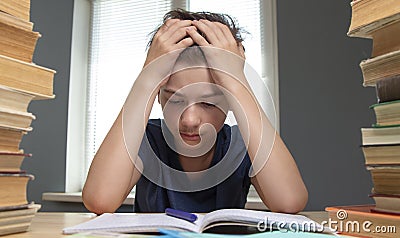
(190, 117)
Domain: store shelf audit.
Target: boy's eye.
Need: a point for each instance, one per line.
(208, 104)
(175, 101)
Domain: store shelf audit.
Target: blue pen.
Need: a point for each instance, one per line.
(181, 214)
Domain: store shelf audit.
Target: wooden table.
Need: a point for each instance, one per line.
(50, 224)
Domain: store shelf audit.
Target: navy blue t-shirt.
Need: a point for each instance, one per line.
(230, 193)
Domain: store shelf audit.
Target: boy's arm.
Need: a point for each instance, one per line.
(113, 173)
(277, 178)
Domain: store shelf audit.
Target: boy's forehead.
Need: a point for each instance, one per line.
(200, 89)
(189, 76)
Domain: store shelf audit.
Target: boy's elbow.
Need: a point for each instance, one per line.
(97, 203)
(292, 203)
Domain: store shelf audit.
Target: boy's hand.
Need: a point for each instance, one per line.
(166, 46)
(171, 36)
(222, 53)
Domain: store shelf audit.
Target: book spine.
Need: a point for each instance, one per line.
(388, 89)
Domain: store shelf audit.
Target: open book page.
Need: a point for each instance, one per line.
(262, 219)
(130, 222)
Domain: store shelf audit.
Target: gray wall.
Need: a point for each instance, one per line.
(322, 102)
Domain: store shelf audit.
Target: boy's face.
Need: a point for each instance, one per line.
(190, 100)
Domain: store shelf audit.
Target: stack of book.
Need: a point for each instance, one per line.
(21, 81)
(379, 20)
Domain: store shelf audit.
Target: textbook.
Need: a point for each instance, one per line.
(15, 41)
(370, 15)
(17, 219)
(152, 222)
(386, 39)
(26, 77)
(387, 113)
(381, 135)
(11, 162)
(388, 89)
(16, 119)
(380, 67)
(382, 154)
(385, 179)
(13, 188)
(386, 203)
(17, 8)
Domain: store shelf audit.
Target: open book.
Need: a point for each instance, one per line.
(137, 223)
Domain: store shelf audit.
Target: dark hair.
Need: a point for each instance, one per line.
(214, 17)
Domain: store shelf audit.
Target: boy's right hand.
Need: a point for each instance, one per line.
(171, 36)
(168, 42)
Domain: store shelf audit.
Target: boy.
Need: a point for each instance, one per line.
(190, 160)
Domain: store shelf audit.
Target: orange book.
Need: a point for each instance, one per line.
(362, 221)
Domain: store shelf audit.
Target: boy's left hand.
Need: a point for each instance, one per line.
(223, 52)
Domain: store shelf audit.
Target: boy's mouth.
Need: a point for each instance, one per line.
(190, 136)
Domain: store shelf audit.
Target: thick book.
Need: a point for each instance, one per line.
(15, 21)
(16, 119)
(15, 100)
(11, 161)
(380, 67)
(13, 188)
(17, 8)
(17, 220)
(387, 135)
(386, 39)
(26, 77)
(385, 179)
(10, 139)
(387, 113)
(146, 222)
(362, 221)
(388, 89)
(16, 42)
(382, 154)
(386, 203)
(369, 15)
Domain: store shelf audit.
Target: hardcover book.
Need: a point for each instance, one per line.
(16, 42)
(13, 188)
(386, 203)
(17, 8)
(26, 77)
(381, 135)
(382, 154)
(385, 179)
(10, 139)
(388, 89)
(380, 67)
(11, 162)
(387, 113)
(370, 15)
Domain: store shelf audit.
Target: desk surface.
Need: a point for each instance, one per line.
(50, 224)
